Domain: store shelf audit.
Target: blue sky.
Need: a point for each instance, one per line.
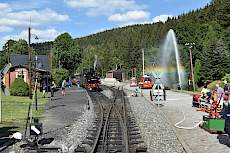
(49, 18)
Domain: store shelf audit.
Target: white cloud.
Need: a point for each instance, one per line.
(37, 18)
(137, 17)
(82, 3)
(130, 16)
(4, 7)
(5, 29)
(43, 35)
(161, 18)
(11, 19)
(46, 35)
(103, 7)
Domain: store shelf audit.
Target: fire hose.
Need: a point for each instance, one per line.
(187, 128)
(196, 125)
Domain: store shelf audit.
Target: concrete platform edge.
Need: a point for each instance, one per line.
(89, 100)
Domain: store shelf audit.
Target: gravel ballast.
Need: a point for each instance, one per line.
(108, 93)
(70, 137)
(156, 131)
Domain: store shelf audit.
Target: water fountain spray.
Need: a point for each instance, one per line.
(170, 46)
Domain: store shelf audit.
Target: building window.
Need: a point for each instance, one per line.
(21, 73)
(21, 76)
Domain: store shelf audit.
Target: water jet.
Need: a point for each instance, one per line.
(169, 52)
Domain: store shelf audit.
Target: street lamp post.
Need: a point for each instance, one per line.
(190, 46)
(36, 80)
(30, 62)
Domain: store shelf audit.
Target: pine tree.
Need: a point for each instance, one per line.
(197, 72)
(224, 54)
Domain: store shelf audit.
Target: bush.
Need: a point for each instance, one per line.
(19, 88)
(226, 78)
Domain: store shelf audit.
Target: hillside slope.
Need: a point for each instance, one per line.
(208, 28)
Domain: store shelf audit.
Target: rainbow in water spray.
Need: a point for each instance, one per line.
(151, 70)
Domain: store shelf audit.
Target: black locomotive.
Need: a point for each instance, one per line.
(90, 80)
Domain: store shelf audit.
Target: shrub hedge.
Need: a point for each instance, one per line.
(19, 88)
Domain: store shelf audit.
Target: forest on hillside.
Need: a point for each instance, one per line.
(208, 28)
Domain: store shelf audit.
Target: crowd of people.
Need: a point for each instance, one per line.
(220, 94)
(53, 87)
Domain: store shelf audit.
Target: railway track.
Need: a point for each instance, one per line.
(114, 129)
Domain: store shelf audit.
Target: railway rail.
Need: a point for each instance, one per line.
(114, 129)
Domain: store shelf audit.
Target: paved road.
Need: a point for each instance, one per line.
(64, 110)
(197, 140)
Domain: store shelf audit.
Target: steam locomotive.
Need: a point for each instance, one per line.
(90, 80)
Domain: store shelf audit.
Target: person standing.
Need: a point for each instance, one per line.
(226, 87)
(219, 90)
(226, 93)
(53, 86)
(70, 83)
(220, 94)
(78, 83)
(44, 86)
(63, 87)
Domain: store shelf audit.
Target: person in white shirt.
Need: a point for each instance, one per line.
(220, 94)
(204, 91)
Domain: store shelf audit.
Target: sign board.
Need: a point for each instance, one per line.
(158, 91)
(36, 128)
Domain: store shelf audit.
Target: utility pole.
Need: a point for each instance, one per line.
(190, 46)
(143, 62)
(30, 63)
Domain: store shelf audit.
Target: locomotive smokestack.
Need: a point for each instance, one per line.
(95, 62)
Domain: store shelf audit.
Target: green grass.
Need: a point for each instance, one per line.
(15, 109)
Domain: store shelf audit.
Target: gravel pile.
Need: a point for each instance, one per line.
(156, 131)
